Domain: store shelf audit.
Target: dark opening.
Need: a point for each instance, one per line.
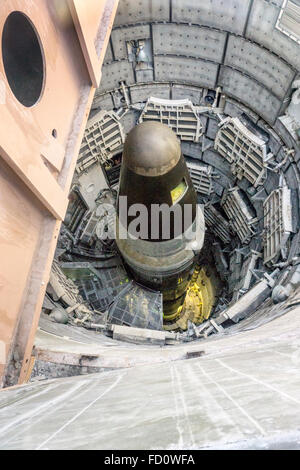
(22, 59)
(112, 170)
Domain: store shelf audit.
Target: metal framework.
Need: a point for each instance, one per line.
(180, 115)
(99, 287)
(245, 280)
(138, 307)
(201, 176)
(86, 230)
(246, 152)
(103, 137)
(239, 214)
(289, 20)
(63, 287)
(277, 224)
(216, 221)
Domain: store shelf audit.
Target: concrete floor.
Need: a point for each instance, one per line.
(243, 393)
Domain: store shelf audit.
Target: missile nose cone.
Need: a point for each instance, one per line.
(157, 228)
(151, 149)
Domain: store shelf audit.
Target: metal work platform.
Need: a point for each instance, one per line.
(246, 153)
(278, 224)
(138, 307)
(180, 115)
(103, 136)
(241, 218)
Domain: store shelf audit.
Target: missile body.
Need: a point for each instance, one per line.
(160, 228)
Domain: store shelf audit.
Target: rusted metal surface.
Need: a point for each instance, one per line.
(38, 151)
(91, 18)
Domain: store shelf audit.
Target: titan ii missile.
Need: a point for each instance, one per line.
(160, 227)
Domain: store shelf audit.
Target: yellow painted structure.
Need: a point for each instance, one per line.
(200, 298)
